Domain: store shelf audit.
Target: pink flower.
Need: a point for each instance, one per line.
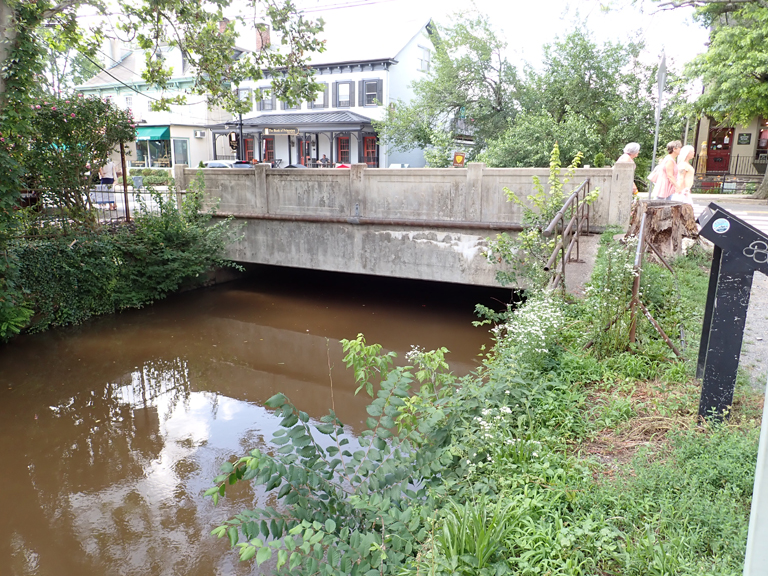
(53, 107)
(38, 106)
(73, 114)
(66, 101)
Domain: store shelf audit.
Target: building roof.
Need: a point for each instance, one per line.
(306, 121)
(302, 118)
(355, 41)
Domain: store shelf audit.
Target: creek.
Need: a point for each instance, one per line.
(110, 432)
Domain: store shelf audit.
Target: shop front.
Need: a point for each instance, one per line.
(311, 140)
(155, 148)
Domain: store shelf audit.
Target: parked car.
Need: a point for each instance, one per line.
(227, 164)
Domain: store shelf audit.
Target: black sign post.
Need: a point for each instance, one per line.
(740, 250)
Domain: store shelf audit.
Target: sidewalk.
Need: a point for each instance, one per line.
(705, 199)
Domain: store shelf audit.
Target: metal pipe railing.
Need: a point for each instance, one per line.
(577, 212)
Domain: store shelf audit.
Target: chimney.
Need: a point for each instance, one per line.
(223, 25)
(262, 36)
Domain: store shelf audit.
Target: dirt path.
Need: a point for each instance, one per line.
(754, 351)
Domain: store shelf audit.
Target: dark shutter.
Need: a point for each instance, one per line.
(361, 93)
(351, 94)
(335, 94)
(272, 95)
(260, 105)
(284, 105)
(379, 91)
(325, 96)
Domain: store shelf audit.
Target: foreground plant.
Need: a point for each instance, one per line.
(525, 254)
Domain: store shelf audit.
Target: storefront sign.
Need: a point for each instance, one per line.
(281, 131)
(745, 138)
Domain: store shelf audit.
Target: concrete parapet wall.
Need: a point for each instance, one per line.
(421, 223)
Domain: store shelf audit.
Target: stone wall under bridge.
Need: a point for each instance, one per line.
(423, 223)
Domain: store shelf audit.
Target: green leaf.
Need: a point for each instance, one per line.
(247, 552)
(233, 536)
(330, 526)
(276, 401)
(263, 555)
(282, 558)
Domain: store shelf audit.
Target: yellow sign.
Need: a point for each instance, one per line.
(458, 159)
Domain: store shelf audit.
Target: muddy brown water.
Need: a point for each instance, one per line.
(110, 432)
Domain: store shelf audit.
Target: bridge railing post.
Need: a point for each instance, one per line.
(356, 189)
(473, 198)
(181, 183)
(620, 201)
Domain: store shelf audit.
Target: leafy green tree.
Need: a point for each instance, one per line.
(70, 136)
(588, 98)
(734, 69)
(469, 90)
(66, 67)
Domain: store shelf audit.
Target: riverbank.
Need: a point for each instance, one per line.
(549, 459)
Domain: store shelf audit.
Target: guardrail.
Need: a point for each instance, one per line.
(577, 212)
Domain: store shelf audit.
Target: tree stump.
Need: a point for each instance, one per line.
(666, 224)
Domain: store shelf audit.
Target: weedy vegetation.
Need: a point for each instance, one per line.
(552, 458)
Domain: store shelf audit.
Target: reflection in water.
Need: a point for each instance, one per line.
(111, 432)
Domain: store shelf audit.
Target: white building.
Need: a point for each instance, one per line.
(163, 139)
(362, 74)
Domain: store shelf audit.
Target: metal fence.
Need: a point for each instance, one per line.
(741, 176)
(110, 204)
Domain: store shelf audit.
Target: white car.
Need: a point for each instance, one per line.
(227, 164)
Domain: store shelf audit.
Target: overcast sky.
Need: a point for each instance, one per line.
(529, 24)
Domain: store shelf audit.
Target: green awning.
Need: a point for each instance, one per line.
(153, 133)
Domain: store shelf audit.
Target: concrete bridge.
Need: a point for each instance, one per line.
(425, 223)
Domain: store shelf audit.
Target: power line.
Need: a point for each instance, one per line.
(355, 4)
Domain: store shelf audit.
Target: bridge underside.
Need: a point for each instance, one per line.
(450, 255)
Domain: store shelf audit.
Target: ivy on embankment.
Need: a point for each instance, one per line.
(69, 277)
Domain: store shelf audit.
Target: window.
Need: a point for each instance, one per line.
(180, 151)
(128, 102)
(343, 155)
(344, 94)
(343, 99)
(267, 101)
(249, 149)
(321, 100)
(244, 94)
(153, 154)
(425, 56)
(369, 92)
(269, 149)
(287, 106)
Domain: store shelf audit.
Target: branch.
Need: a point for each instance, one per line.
(673, 4)
(63, 7)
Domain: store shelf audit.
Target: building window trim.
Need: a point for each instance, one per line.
(343, 150)
(350, 102)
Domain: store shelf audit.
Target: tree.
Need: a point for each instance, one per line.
(66, 67)
(734, 69)
(588, 98)
(468, 91)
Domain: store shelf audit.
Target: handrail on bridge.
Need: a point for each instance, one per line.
(567, 234)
